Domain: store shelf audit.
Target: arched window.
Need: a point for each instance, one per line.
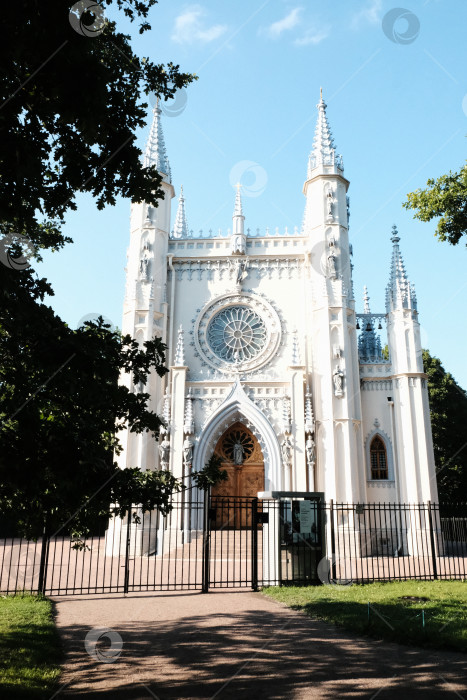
(378, 459)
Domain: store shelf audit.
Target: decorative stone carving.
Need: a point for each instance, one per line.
(296, 359)
(310, 451)
(166, 411)
(286, 450)
(331, 264)
(238, 244)
(309, 418)
(144, 264)
(337, 352)
(188, 423)
(238, 453)
(188, 451)
(286, 424)
(180, 349)
(164, 450)
(338, 379)
(329, 204)
(241, 271)
(216, 269)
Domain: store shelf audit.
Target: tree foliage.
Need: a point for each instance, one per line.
(445, 197)
(73, 95)
(62, 407)
(448, 410)
(70, 107)
(62, 410)
(211, 475)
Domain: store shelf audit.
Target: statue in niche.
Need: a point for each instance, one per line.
(164, 451)
(286, 449)
(144, 263)
(338, 379)
(332, 269)
(310, 451)
(241, 267)
(329, 203)
(188, 451)
(238, 453)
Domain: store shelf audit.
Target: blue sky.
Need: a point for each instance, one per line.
(398, 112)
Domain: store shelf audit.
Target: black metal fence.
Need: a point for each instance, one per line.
(396, 541)
(218, 542)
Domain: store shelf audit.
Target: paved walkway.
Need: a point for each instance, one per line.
(239, 645)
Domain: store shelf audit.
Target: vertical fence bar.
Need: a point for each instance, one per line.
(432, 542)
(43, 562)
(126, 579)
(333, 541)
(206, 535)
(254, 544)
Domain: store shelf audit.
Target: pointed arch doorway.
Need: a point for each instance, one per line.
(242, 459)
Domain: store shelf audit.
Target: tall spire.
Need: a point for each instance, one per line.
(324, 149)
(155, 153)
(400, 294)
(180, 229)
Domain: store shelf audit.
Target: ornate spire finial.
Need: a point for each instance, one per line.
(180, 351)
(324, 149)
(155, 153)
(238, 200)
(309, 418)
(180, 229)
(166, 410)
(238, 238)
(189, 426)
(400, 294)
(366, 301)
(296, 360)
(286, 425)
(395, 237)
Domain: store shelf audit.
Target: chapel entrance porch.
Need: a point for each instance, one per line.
(242, 458)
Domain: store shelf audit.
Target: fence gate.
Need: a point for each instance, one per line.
(234, 549)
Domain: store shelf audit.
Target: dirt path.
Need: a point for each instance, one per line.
(238, 645)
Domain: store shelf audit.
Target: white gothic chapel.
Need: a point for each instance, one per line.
(271, 367)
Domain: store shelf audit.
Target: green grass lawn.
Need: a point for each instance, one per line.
(29, 648)
(395, 611)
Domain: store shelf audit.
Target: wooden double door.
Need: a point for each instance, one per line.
(242, 459)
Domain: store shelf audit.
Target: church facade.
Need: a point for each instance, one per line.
(272, 367)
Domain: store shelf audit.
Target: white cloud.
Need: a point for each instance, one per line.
(288, 22)
(370, 14)
(190, 27)
(311, 36)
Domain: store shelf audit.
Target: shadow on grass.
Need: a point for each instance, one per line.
(438, 627)
(30, 652)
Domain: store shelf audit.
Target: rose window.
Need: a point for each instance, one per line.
(238, 441)
(236, 334)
